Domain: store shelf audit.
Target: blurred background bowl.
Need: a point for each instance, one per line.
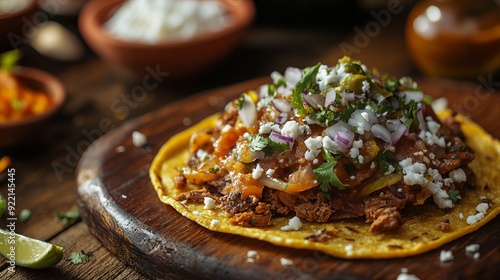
(11, 25)
(29, 130)
(180, 59)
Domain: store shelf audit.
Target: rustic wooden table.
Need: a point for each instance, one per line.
(99, 99)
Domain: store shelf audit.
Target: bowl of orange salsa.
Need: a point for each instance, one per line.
(29, 97)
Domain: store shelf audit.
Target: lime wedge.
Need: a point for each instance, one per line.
(28, 252)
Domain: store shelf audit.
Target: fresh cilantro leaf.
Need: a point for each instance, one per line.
(69, 217)
(276, 147)
(453, 195)
(385, 159)
(266, 145)
(411, 112)
(79, 258)
(323, 115)
(327, 177)
(306, 83)
(346, 113)
(385, 106)
(257, 143)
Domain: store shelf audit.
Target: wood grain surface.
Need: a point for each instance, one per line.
(121, 208)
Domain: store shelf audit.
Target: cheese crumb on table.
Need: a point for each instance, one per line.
(405, 276)
(472, 248)
(139, 139)
(446, 256)
(285, 262)
(252, 256)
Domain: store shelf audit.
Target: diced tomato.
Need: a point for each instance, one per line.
(226, 142)
(247, 185)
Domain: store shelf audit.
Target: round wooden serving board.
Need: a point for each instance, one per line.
(121, 208)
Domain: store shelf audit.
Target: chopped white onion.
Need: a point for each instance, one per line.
(392, 124)
(273, 183)
(381, 132)
(309, 100)
(341, 134)
(319, 99)
(439, 104)
(248, 112)
(282, 105)
(348, 96)
(420, 116)
(398, 133)
(363, 120)
(330, 97)
(292, 76)
(412, 95)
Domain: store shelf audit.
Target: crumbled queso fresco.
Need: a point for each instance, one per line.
(446, 256)
(405, 276)
(293, 224)
(286, 262)
(481, 209)
(139, 139)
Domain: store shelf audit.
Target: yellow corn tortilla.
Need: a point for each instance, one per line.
(351, 238)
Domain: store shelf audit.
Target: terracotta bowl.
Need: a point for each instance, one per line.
(180, 58)
(13, 24)
(29, 130)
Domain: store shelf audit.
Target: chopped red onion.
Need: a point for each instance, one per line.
(282, 105)
(344, 138)
(381, 132)
(279, 138)
(309, 100)
(398, 133)
(341, 134)
(248, 112)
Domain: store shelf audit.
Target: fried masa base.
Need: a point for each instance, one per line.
(349, 238)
